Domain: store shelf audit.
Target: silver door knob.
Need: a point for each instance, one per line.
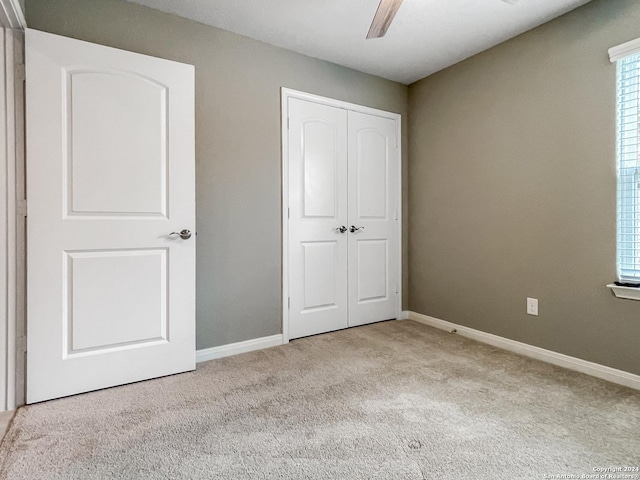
(341, 229)
(355, 229)
(184, 234)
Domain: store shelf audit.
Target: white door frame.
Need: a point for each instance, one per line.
(12, 206)
(286, 94)
(11, 15)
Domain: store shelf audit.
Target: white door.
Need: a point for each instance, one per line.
(343, 218)
(317, 211)
(110, 175)
(373, 219)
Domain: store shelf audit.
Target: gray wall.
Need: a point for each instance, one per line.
(238, 162)
(512, 189)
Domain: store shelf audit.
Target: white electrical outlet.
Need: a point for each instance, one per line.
(532, 306)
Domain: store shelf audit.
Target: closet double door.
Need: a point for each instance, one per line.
(343, 217)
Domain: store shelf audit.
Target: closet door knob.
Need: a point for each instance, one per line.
(354, 229)
(184, 234)
(341, 229)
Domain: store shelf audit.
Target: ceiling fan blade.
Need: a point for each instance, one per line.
(383, 18)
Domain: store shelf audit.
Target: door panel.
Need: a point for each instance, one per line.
(373, 208)
(92, 280)
(372, 171)
(317, 206)
(372, 266)
(320, 166)
(321, 269)
(128, 110)
(110, 170)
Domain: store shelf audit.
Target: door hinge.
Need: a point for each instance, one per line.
(19, 72)
(21, 207)
(288, 213)
(21, 344)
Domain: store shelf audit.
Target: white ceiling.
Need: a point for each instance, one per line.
(426, 35)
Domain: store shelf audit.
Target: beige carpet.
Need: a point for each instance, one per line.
(395, 400)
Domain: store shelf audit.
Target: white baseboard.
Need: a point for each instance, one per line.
(236, 348)
(404, 315)
(594, 369)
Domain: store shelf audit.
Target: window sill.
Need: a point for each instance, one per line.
(629, 293)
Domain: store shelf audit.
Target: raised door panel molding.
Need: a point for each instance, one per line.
(125, 108)
(372, 175)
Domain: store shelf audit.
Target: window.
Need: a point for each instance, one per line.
(627, 58)
(628, 163)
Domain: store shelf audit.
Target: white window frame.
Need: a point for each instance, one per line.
(616, 55)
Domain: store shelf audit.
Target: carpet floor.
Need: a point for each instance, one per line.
(394, 400)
